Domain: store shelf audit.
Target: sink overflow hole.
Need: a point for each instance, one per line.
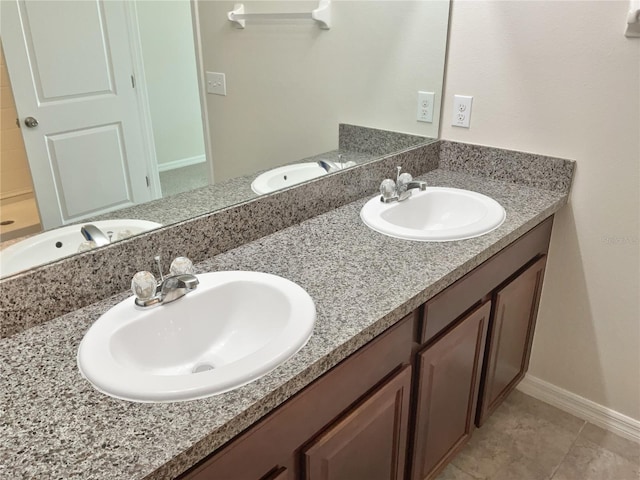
(7, 222)
(203, 367)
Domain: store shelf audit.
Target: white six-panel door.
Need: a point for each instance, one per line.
(70, 68)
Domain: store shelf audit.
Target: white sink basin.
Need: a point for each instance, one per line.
(61, 242)
(436, 214)
(286, 176)
(234, 328)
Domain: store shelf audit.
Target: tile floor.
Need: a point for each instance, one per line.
(526, 439)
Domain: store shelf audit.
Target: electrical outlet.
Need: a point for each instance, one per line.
(461, 111)
(425, 106)
(216, 83)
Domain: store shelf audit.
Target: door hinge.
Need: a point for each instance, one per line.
(148, 182)
(133, 81)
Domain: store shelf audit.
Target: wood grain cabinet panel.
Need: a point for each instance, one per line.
(370, 441)
(447, 393)
(456, 299)
(277, 440)
(280, 473)
(511, 336)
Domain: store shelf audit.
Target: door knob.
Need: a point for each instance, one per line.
(31, 122)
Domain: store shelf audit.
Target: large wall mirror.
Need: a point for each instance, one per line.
(120, 113)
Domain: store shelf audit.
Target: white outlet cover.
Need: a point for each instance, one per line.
(461, 111)
(426, 102)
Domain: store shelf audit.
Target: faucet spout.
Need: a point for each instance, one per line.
(92, 233)
(417, 184)
(174, 287)
(328, 166)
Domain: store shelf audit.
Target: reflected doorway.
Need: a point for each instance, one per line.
(145, 48)
(18, 209)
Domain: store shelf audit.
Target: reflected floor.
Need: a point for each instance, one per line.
(19, 218)
(526, 439)
(184, 179)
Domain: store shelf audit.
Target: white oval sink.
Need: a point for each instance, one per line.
(61, 242)
(234, 328)
(436, 214)
(286, 176)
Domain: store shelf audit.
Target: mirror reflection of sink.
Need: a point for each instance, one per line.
(61, 242)
(234, 328)
(436, 214)
(286, 176)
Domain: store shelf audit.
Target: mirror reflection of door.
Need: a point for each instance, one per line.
(98, 77)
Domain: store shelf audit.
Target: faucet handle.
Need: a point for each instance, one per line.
(181, 265)
(403, 180)
(144, 285)
(387, 189)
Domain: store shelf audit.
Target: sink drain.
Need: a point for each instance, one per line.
(202, 367)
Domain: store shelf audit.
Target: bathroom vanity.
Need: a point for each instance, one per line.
(414, 344)
(447, 365)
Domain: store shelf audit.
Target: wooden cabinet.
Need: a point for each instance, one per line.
(370, 441)
(274, 445)
(280, 473)
(457, 357)
(509, 345)
(448, 381)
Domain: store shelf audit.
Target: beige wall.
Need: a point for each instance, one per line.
(15, 177)
(289, 84)
(559, 78)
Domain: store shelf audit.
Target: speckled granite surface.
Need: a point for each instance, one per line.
(54, 425)
(77, 281)
(375, 142)
(523, 168)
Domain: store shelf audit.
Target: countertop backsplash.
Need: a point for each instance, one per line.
(44, 293)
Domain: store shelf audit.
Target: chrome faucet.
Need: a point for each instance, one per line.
(92, 233)
(401, 189)
(150, 292)
(331, 166)
(328, 166)
(172, 288)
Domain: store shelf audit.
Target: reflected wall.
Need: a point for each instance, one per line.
(290, 83)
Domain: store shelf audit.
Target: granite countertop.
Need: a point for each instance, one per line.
(53, 424)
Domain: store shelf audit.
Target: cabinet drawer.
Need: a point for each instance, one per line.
(448, 305)
(274, 441)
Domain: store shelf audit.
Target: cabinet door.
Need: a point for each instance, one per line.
(510, 337)
(448, 385)
(370, 441)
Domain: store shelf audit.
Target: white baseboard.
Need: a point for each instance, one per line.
(182, 162)
(579, 406)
